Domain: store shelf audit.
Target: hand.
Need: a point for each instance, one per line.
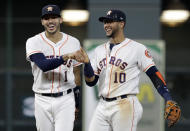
(81, 56)
(68, 56)
(172, 113)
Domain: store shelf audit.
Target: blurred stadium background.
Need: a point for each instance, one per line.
(20, 20)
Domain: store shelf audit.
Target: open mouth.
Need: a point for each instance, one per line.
(51, 26)
(108, 30)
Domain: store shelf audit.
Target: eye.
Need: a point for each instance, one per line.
(54, 17)
(50, 17)
(46, 18)
(108, 21)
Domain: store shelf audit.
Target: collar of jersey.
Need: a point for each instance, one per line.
(59, 43)
(117, 45)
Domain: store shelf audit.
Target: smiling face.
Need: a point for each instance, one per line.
(113, 28)
(51, 23)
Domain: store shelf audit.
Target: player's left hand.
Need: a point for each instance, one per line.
(81, 56)
(172, 113)
(68, 56)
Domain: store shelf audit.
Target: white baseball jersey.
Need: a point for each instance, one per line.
(61, 78)
(119, 69)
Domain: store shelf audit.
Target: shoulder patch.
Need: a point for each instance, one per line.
(147, 54)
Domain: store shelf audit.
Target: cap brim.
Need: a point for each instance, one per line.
(101, 19)
(50, 14)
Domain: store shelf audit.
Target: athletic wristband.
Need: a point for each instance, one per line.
(93, 83)
(88, 71)
(61, 59)
(163, 91)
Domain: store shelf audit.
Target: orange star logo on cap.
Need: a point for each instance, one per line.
(109, 12)
(50, 9)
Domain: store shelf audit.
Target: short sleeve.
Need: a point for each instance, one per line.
(93, 60)
(145, 60)
(31, 48)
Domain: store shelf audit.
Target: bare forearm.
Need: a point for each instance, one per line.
(77, 73)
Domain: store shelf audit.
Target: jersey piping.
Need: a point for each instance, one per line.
(33, 52)
(106, 55)
(148, 67)
(60, 55)
(77, 64)
(53, 55)
(112, 67)
(133, 115)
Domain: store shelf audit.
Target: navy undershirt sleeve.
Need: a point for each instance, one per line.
(46, 64)
(93, 83)
(158, 83)
(88, 70)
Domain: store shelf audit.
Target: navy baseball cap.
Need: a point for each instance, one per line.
(50, 10)
(115, 15)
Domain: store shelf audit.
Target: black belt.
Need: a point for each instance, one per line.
(114, 98)
(56, 94)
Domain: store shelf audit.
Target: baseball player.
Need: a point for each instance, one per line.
(56, 78)
(117, 65)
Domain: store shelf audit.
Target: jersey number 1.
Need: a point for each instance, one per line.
(65, 76)
(120, 77)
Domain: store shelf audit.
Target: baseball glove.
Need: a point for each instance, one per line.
(172, 113)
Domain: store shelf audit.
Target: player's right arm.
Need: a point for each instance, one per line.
(46, 64)
(90, 78)
(35, 54)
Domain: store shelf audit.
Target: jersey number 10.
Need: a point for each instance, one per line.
(120, 77)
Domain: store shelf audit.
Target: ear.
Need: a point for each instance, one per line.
(122, 24)
(61, 20)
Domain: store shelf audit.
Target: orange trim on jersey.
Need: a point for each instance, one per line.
(112, 66)
(48, 44)
(63, 43)
(106, 55)
(148, 67)
(60, 66)
(53, 55)
(161, 77)
(33, 52)
(133, 115)
(77, 64)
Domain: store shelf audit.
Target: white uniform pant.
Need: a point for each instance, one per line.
(55, 113)
(118, 115)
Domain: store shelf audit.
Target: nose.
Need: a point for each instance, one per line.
(50, 20)
(106, 25)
